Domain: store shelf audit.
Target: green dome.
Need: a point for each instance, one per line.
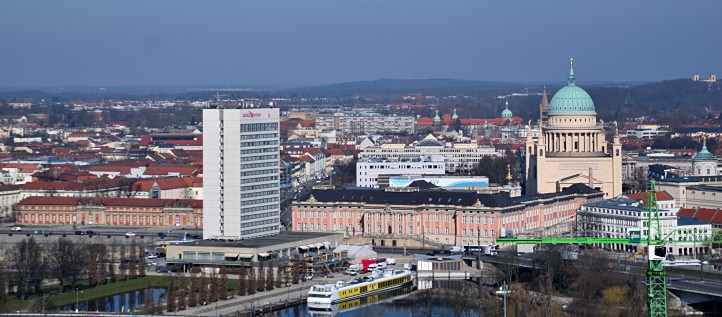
(572, 99)
(704, 154)
(506, 114)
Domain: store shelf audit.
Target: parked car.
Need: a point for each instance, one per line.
(130, 234)
(16, 228)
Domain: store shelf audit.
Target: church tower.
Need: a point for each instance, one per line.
(704, 162)
(572, 147)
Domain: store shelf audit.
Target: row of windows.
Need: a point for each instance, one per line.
(258, 136)
(258, 216)
(261, 193)
(262, 150)
(257, 165)
(256, 127)
(259, 208)
(260, 222)
(398, 166)
(262, 186)
(259, 172)
(260, 157)
(259, 230)
(259, 143)
(261, 201)
(261, 179)
(396, 281)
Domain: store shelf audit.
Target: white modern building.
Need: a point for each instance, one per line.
(457, 156)
(240, 173)
(648, 131)
(364, 123)
(618, 217)
(368, 170)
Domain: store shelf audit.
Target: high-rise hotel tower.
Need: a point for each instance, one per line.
(240, 173)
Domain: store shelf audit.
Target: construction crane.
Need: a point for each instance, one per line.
(655, 245)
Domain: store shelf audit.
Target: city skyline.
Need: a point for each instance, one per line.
(255, 44)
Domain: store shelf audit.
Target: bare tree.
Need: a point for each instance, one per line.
(181, 293)
(133, 262)
(213, 286)
(67, 261)
(262, 276)
(270, 278)
(223, 287)
(251, 280)
(194, 290)
(243, 282)
(123, 260)
(204, 282)
(27, 263)
(171, 295)
(96, 258)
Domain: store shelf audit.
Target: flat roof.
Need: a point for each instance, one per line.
(261, 242)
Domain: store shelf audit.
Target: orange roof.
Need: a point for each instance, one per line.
(163, 170)
(425, 121)
(167, 183)
(195, 142)
(642, 196)
(115, 202)
(23, 167)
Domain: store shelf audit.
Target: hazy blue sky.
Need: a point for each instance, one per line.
(304, 42)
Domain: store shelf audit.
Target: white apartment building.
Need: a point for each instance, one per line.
(240, 173)
(617, 217)
(458, 157)
(648, 131)
(365, 123)
(368, 170)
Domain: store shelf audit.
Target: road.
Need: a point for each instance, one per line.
(99, 231)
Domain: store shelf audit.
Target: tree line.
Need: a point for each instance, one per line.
(203, 288)
(29, 267)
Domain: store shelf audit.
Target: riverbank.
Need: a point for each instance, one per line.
(86, 294)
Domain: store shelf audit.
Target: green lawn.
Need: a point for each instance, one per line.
(100, 291)
(105, 290)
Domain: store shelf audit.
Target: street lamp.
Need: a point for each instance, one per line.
(76, 299)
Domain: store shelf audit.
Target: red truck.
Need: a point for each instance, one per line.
(365, 263)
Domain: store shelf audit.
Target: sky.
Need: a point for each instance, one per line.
(288, 43)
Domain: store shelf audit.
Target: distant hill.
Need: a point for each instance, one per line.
(401, 86)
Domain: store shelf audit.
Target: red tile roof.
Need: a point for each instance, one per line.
(23, 167)
(642, 196)
(115, 202)
(164, 170)
(167, 183)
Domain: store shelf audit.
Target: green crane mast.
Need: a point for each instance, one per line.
(656, 252)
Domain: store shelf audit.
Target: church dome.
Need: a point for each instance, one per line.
(437, 118)
(454, 116)
(704, 154)
(506, 114)
(572, 99)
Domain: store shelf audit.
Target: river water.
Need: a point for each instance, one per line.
(398, 303)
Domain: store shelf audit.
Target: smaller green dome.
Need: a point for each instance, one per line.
(506, 114)
(704, 154)
(454, 116)
(437, 118)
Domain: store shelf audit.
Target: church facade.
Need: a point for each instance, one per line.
(572, 146)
